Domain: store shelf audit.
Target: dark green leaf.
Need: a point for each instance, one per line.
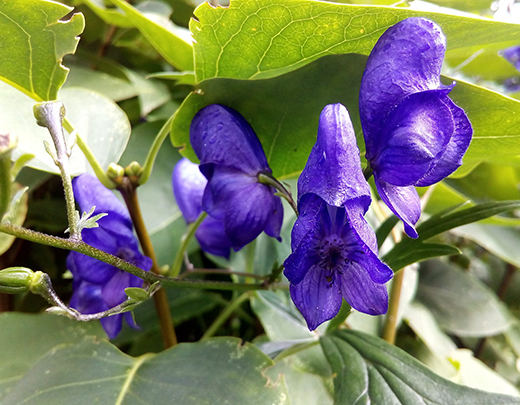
(369, 370)
(443, 222)
(421, 251)
(217, 371)
(34, 43)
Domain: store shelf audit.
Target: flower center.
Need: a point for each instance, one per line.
(335, 255)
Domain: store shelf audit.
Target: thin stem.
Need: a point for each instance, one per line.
(162, 307)
(51, 115)
(185, 242)
(149, 277)
(154, 150)
(367, 172)
(220, 271)
(269, 180)
(98, 170)
(224, 315)
(390, 328)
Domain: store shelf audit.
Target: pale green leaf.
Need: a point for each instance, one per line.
(33, 43)
(99, 121)
(25, 338)
(259, 39)
(476, 312)
(171, 41)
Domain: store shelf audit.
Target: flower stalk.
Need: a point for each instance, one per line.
(129, 193)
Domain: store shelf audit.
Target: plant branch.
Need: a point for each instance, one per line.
(129, 193)
(149, 277)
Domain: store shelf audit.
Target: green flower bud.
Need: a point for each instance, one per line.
(16, 280)
(133, 170)
(115, 173)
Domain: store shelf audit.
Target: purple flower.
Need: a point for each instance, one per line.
(188, 188)
(231, 158)
(414, 134)
(334, 249)
(99, 286)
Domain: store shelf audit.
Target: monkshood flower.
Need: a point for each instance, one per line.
(99, 286)
(231, 159)
(334, 249)
(188, 188)
(414, 134)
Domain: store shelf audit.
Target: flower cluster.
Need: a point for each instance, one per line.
(414, 134)
(99, 286)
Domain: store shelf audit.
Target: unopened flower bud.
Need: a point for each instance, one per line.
(115, 173)
(15, 280)
(133, 170)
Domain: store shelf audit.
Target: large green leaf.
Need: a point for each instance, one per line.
(477, 312)
(34, 42)
(171, 41)
(369, 370)
(287, 121)
(99, 121)
(258, 39)
(217, 371)
(25, 338)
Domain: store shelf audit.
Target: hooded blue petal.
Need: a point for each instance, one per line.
(406, 59)
(512, 55)
(221, 136)
(414, 134)
(335, 154)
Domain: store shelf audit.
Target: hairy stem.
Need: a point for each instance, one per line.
(162, 307)
(50, 115)
(149, 277)
(224, 315)
(185, 242)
